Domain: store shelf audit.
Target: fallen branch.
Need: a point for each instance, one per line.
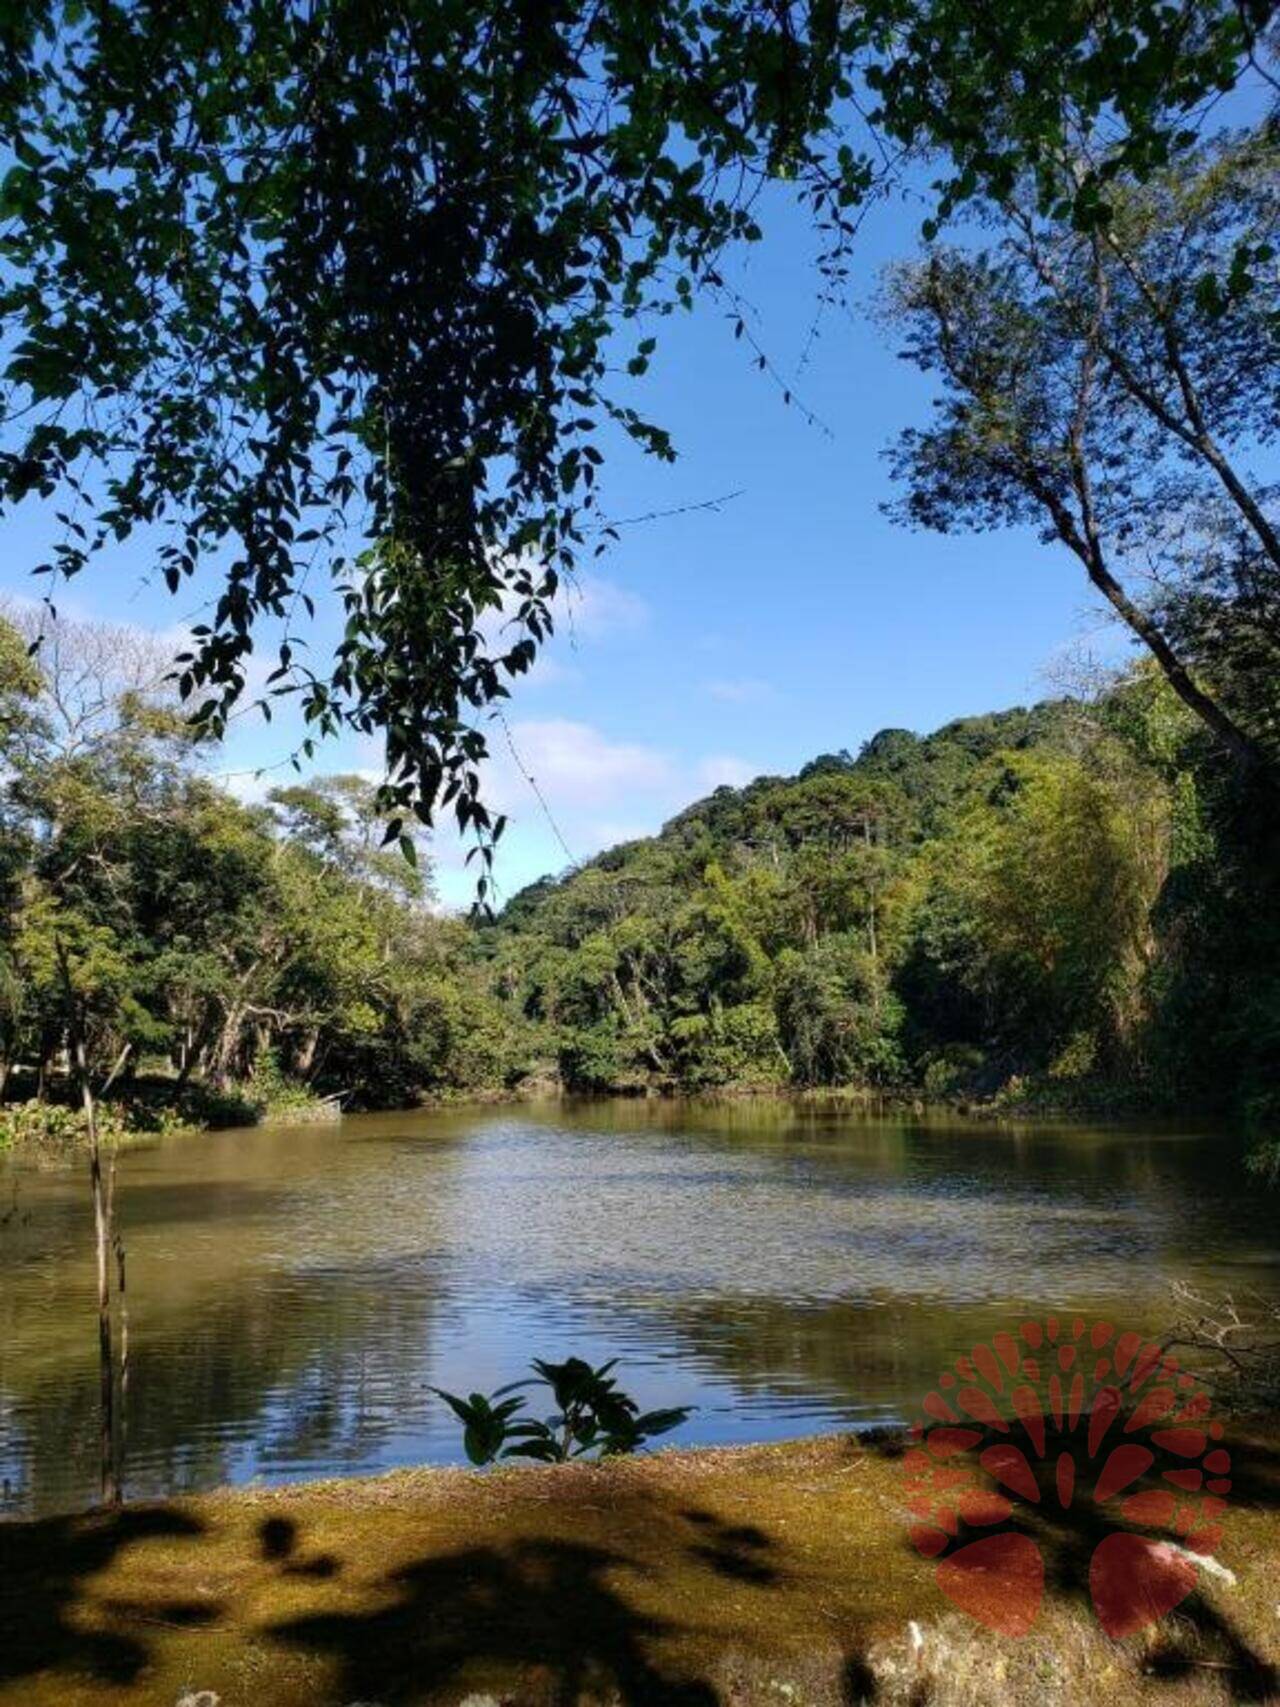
(1239, 1344)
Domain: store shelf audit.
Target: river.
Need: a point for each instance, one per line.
(296, 1292)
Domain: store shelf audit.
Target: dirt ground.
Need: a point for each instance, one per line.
(774, 1575)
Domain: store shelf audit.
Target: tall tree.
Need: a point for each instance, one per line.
(1119, 388)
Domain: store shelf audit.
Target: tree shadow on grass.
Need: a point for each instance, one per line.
(541, 1608)
(278, 1544)
(740, 1551)
(1199, 1632)
(44, 1569)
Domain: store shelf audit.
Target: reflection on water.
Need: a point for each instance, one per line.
(295, 1292)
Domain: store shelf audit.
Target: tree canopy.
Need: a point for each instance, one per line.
(1116, 389)
(240, 947)
(298, 294)
(1074, 899)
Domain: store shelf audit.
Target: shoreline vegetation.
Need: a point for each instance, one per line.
(759, 1576)
(54, 1130)
(57, 1129)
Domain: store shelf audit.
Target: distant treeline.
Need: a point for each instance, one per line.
(1076, 902)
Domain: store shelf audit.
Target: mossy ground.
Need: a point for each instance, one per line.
(777, 1575)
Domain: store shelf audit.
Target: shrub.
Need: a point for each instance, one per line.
(733, 1046)
(593, 1415)
(955, 1068)
(1078, 1057)
(206, 1105)
(270, 1092)
(590, 1060)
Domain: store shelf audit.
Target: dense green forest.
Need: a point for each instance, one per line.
(1076, 903)
(1075, 900)
(242, 951)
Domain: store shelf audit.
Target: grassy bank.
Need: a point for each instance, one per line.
(776, 1575)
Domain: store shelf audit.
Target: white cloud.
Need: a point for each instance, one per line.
(597, 792)
(593, 608)
(723, 769)
(250, 788)
(574, 765)
(739, 690)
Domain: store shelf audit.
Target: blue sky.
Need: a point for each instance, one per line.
(712, 646)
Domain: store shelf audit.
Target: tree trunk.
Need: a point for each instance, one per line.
(106, 1357)
(305, 1059)
(104, 1238)
(193, 1048)
(42, 1065)
(872, 943)
(1085, 541)
(122, 1417)
(224, 1049)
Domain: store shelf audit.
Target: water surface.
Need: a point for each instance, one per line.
(295, 1293)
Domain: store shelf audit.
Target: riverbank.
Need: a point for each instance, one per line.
(53, 1131)
(776, 1575)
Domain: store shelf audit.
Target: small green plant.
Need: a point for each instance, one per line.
(593, 1415)
(199, 1105)
(273, 1090)
(952, 1070)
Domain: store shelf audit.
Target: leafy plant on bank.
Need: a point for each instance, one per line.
(272, 1092)
(593, 1415)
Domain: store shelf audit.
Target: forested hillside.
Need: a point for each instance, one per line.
(1076, 902)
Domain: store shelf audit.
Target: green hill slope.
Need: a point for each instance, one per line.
(1036, 899)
